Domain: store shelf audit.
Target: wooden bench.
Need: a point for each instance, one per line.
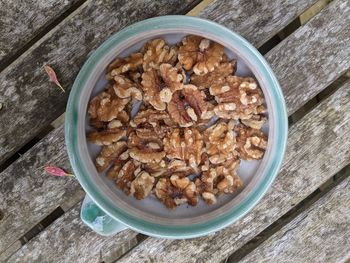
(310, 62)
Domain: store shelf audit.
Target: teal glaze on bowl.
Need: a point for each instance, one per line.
(120, 207)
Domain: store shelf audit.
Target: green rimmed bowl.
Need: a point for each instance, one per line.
(107, 209)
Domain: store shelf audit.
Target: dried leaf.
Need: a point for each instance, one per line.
(56, 171)
(53, 76)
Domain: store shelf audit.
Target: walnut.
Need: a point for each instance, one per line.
(156, 53)
(156, 169)
(142, 185)
(217, 76)
(181, 167)
(108, 154)
(152, 86)
(220, 142)
(230, 184)
(201, 54)
(187, 147)
(187, 106)
(124, 174)
(251, 142)
(205, 186)
(153, 117)
(125, 88)
(173, 77)
(149, 122)
(238, 98)
(123, 65)
(255, 122)
(175, 191)
(218, 180)
(106, 137)
(106, 106)
(145, 150)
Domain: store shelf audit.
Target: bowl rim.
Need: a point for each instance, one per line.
(152, 228)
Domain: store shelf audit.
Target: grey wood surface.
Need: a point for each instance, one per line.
(40, 244)
(22, 224)
(309, 162)
(300, 68)
(318, 147)
(255, 20)
(25, 90)
(28, 194)
(30, 101)
(21, 21)
(319, 234)
(69, 240)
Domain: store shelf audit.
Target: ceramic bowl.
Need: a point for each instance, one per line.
(150, 216)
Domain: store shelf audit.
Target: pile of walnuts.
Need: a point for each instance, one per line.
(196, 121)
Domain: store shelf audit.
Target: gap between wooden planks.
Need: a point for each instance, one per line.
(25, 90)
(22, 23)
(319, 234)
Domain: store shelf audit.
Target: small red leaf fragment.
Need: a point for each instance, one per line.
(53, 76)
(56, 171)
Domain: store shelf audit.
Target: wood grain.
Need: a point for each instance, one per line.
(69, 240)
(316, 181)
(255, 20)
(28, 194)
(319, 234)
(30, 101)
(318, 147)
(21, 21)
(316, 53)
(309, 162)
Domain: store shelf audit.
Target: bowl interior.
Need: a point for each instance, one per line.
(150, 208)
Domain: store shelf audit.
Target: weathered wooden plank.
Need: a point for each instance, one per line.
(10, 250)
(69, 240)
(31, 191)
(28, 195)
(30, 101)
(316, 53)
(318, 147)
(257, 21)
(319, 234)
(321, 87)
(21, 21)
(25, 90)
(309, 162)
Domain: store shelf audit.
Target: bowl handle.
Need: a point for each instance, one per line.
(98, 220)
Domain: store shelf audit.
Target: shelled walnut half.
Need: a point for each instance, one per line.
(108, 154)
(148, 150)
(252, 143)
(187, 106)
(221, 142)
(106, 106)
(149, 122)
(176, 191)
(217, 76)
(142, 185)
(186, 145)
(122, 65)
(200, 54)
(157, 52)
(216, 181)
(237, 98)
